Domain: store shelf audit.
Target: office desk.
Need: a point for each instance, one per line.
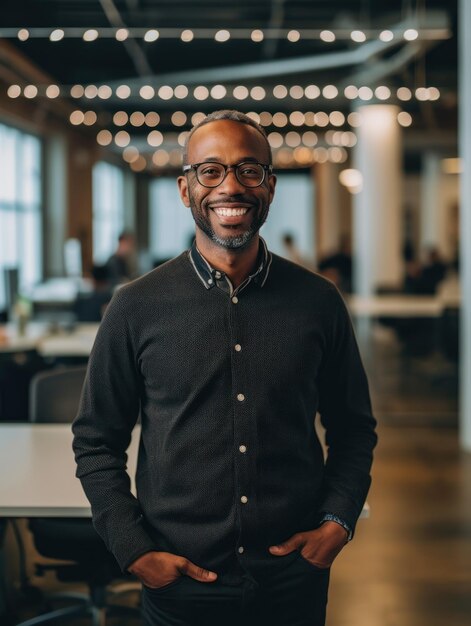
(75, 343)
(37, 470)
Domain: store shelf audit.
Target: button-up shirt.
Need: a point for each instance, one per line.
(227, 382)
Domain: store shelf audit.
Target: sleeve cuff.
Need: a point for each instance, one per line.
(330, 517)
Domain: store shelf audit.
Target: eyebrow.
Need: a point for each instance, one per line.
(214, 159)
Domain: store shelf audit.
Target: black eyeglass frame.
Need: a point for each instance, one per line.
(195, 166)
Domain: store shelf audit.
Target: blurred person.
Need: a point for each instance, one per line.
(121, 265)
(90, 307)
(291, 249)
(227, 352)
(338, 266)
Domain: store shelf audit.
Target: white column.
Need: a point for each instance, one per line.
(464, 126)
(377, 210)
(328, 208)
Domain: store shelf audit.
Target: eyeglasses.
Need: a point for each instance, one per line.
(248, 173)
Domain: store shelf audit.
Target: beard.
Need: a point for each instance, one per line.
(200, 213)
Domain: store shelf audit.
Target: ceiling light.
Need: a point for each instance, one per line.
(303, 155)
(351, 179)
(351, 92)
(257, 93)
(53, 91)
(30, 91)
(182, 138)
(266, 118)
(404, 93)
(330, 92)
(321, 118)
(280, 119)
(120, 118)
(155, 138)
(312, 92)
(382, 92)
(77, 91)
(76, 118)
(309, 138)
(284, 156)
(337, 118)
(104, 138)
(354, 119)
(151, 35)
(280, 91)
(365, 93)
(292, 139)
(139, 165)
(147, 92)
(14, 91)
(123, 91)
(201, 92)
(254, 116)
(358, 36)
(404, 118)
(433, 93)
(122, 138)
(386, 35)
(89, 118)
(410, 34)
(257, 36)
(105, 92)
(160, 158)
(90, 35)
(218, 92)
(240, 92)
(187, 35)
(180, 92)
(222, 35)
(296, 118)
(23, 34)
(179, 118)
(122, 34)
(296, 92)
(422, 93)
(56, 35)
(165, 92)
(198, 117)
(130, 154)
(310, 118)
(91, 91)
(152, 119)
(293, 36)
(327, 36)
(137, 118)
(275, 140)
(321, 154)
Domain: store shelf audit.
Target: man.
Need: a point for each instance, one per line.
(227, 351)
(121, 264)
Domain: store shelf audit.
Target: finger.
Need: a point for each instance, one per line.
(198, 573)
(291, 544)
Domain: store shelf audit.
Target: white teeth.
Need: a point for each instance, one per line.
(230, 212)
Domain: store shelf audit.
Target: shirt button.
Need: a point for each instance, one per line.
(240, 397)
(240, 549)
(242, 449)
(210, 281)
(218, 274)
(235, 299)
(238, 347)
(244, 499)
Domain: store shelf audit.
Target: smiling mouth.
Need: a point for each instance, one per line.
(228, 212)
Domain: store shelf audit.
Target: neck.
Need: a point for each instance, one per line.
(236, 264)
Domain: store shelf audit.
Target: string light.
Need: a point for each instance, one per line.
(327, 35)
(90, 35)
(296, 92)
(275, 140)
(105, 92)
(293, 36)
(257, 93)
(411, 34)
(358, 36)
(155, 138)
(151, 35)
(312, 92)
(122, 138)
(104, 138)
(296, 118)
(218, 92)
(165, 92)
(179, 118)
(404, 93)
(201, 92)
(240, 92)
(280, 91)
(91, 91)
(130, 154)
(30, 91)
(330, 92)
(386, 35)
(222, 36)
(120, 118)
(23, 34)
(122, 34)
(257, 36)
(382, 92)
(404, 118)
(139, 165)
(89, 118)
(187, 36)
(123, 92)
(152, 119)
(309, 138)
(137, 118)
(76, 118)
(160, 158)
(56, 35)
(14, 91)
(292, 139)
(147, 92)
(180, 92)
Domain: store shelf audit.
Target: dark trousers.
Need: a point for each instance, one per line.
(285, 592)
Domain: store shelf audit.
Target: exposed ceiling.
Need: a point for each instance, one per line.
(428, 61)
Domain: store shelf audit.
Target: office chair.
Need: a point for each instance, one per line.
(55, 397)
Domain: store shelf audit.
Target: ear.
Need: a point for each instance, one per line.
(271, 186)
(183, 189)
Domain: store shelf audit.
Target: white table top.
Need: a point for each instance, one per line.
(77, 342)
(395, 306)
(37, 471)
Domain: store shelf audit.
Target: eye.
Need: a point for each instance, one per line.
(249, 170)
(210, 171)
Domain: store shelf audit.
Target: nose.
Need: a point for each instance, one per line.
(231, 185)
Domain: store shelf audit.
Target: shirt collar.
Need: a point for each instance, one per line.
(209, 275)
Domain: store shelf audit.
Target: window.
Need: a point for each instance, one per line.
(20, 208)
(108, 209)
(171, 224)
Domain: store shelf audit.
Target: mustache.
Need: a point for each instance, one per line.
(240, 199)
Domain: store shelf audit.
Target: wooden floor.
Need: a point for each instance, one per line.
(410, 563)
